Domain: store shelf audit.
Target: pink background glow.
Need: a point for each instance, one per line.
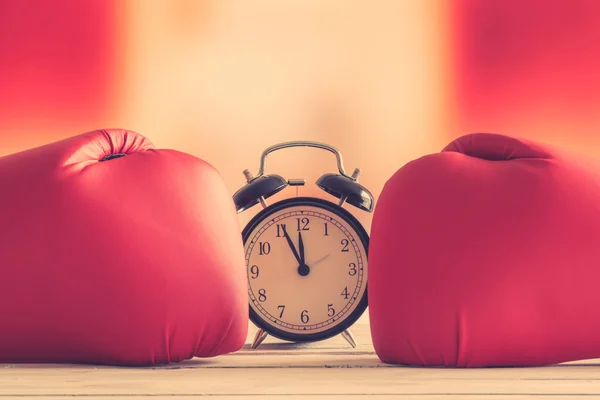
(385, 82)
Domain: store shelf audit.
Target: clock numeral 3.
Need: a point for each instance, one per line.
(264, 248)
(282, 308)
(330, 310)
(304, 317)
(345, 293)
(345, 244)
(352, 271)
(303, 224)
(254, 271)
(262, 295)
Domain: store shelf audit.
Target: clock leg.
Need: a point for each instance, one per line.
(258, 338)
(349, 338)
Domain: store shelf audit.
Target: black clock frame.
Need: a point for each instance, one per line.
(364, 238)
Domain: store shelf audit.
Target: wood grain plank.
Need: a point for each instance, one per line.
(317, 397)
(323, 370)
(310, 381)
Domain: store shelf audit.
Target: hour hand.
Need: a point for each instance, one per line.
(301, 248)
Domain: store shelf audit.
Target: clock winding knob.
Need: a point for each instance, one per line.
(248, 175)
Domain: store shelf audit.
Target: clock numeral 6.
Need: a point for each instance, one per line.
(345, 244)
(254, 271)
(330, 310)
(264, 248)
(282, 308)
(352, 271)
(262, 295)
(304, 316)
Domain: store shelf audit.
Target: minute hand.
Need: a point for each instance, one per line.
(291, 244)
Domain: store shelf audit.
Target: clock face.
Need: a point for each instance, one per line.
(307, 269)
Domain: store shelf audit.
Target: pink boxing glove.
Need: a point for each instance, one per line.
(114, 252)
(487, 254)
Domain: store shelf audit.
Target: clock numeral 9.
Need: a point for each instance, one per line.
(304, 221)
(254, 271)
(352, 271)
(345, 244)
(330, 310)
(262, 295)
(345, 293)
(264, 248)
(282, 308)
(304, 316)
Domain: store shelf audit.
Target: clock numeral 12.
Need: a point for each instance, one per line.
(304, 221)
(326, 231)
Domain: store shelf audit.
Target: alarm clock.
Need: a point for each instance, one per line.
(306, 257)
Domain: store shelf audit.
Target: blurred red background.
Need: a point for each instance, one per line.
(385, 81)
(529, 68)
(58, 68)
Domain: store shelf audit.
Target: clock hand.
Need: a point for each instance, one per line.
(319, 260)
(301, 248)
(291, 244)
(303, 269)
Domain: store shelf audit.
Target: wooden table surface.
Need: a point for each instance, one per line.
(326, 370)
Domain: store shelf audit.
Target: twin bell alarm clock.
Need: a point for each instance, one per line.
(306, 257)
